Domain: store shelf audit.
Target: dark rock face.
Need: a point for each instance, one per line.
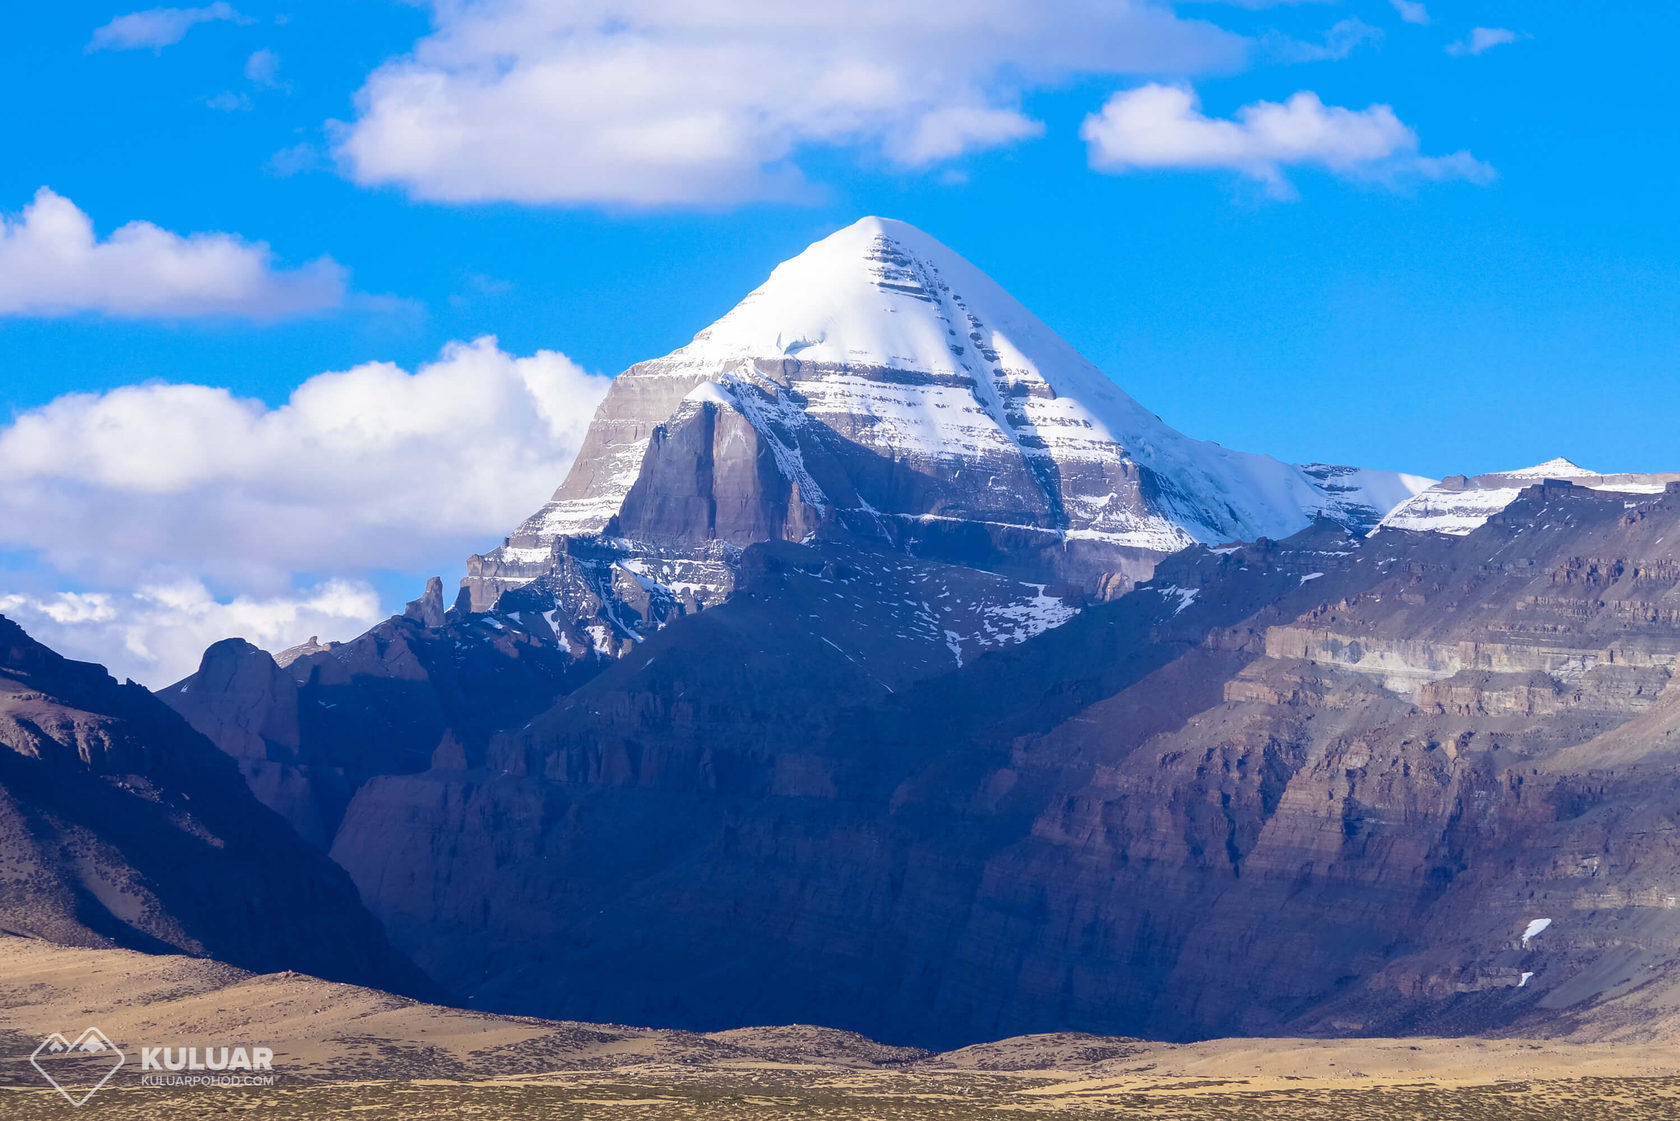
(120, 825)
(707, 476)
(1323, 785)
(407, 693)
(812, 824)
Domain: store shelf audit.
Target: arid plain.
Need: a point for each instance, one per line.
(342, 1051)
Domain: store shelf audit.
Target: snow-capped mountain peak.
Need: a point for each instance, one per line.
(1460, 504)
(896, 343)
(1559, 468)
(878, 384)
(882, 293)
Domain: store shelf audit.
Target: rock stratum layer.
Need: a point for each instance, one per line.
(1412, 782)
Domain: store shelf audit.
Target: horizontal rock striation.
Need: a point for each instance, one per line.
(1322, 785)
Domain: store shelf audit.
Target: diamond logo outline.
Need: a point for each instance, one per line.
(91, 1041)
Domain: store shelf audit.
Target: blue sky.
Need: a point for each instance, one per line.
(1390, 311)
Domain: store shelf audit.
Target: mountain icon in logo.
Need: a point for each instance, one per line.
(77, 1070)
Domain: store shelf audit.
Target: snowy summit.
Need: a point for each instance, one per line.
(882, 336)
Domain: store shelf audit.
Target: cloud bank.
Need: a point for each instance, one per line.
(157, 634)
(53, 263)
(373, 467)
(652, 102)
(1158, 127)
(166, 486)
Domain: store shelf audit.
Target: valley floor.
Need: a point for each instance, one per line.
(712, 1095)
(341, 1051)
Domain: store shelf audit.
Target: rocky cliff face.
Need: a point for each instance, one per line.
(421, 690)
(879, 388)
(1322, 785)
(120, 825)
(1396, 788)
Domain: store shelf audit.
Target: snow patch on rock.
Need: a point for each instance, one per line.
(1460, 505)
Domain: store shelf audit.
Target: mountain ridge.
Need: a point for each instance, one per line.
(121, 826)
(878, 385)
(1460, 503)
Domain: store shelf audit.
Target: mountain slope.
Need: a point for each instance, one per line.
(1326, 784)
(1459, 504)
(880, 387)
(120, 825)
(425, 688)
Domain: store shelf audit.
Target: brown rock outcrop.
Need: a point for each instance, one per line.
(121, 826)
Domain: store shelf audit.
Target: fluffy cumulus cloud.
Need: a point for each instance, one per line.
(157, 633)
(1160, 126)
(660, 102)
(1482, 39)
(372, 467)
(366, 470)
(53, 263)
(157, 28)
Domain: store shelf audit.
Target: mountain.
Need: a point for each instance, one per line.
(1460, 503)
(1414, 782)
(308, 726)
(121, 826)
(879, 388)
(822, 692)
(879, 400)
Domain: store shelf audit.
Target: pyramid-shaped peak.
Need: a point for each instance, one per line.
(882, 293)
(879, 384)
(1559, 468)
(859, 241)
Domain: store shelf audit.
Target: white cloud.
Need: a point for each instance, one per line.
(1158, 126)
(296, 160)
(661, 102)
(1481, 39)
(1341, 40)
(177, 489)
(1412, 12)
(942, 134)
(157, 634)
(370, 469)
(157, 27)
(263, 69)
(52, 263)
(228, 102)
